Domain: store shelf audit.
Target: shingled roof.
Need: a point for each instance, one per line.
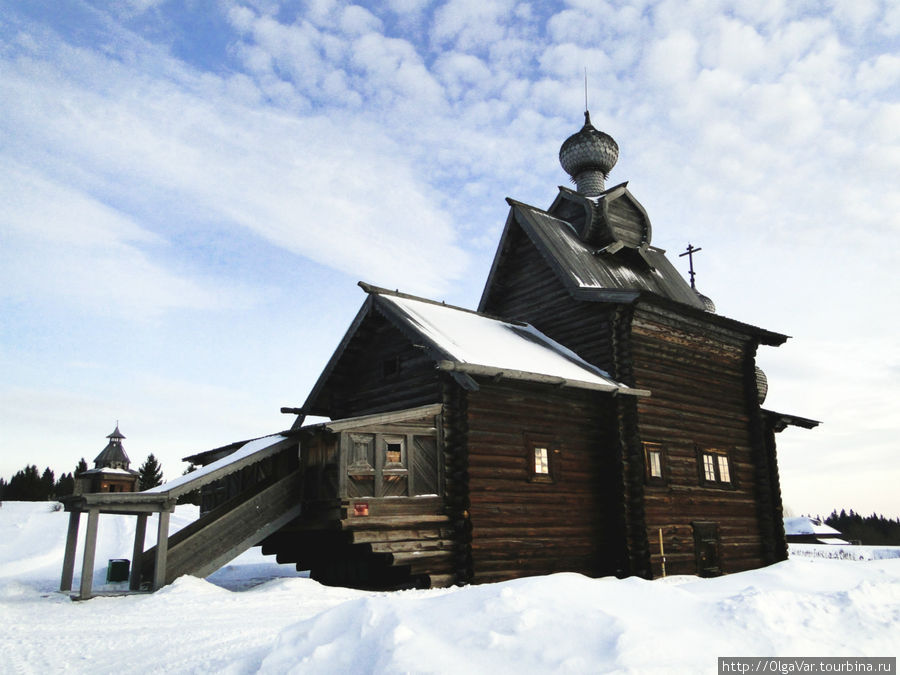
(614, 275)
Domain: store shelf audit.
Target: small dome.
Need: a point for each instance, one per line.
(762, 385)
(708, 304)
(588, 150)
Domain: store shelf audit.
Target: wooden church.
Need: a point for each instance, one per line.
(594, 415)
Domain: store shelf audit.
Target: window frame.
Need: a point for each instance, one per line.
(663, 477)
(716, 457)
(534, 442)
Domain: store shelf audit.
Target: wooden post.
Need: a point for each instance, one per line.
(662, 553)
(68, 569)
(162, 549)
(137, 553)
(90, 548)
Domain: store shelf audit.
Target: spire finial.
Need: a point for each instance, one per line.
(585, 91)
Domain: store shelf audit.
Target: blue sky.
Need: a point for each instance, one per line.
(190, 191)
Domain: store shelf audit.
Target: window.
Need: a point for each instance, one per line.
(394, 448)
(542, 456)
(715, 468)
(654, 464)
(541, 462)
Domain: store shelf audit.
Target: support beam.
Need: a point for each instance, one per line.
(90, 548)
(68, 570)
(137, 553)
(162, 549)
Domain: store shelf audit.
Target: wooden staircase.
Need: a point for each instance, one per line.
(224, 533)
(405, 543)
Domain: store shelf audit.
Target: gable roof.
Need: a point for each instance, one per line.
(604, 276)
(466, 343)
(624, 276)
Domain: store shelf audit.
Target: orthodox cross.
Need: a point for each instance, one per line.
(690, 254)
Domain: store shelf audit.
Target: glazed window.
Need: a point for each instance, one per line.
(542, 458)
(655, 463)
(715, 468)
(541, 462)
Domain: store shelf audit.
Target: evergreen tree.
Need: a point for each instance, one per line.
(150, 473)
(48, 481)
(3, 485)
(64, 486)
(875, 530)
(25, 486)
(82, 466)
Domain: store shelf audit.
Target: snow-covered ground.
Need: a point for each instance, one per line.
(257, 616)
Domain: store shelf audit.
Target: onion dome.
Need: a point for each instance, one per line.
(762, 385)
(588, 156)
(708, 304)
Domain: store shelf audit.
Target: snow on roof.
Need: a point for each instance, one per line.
(245, 450)
(806, 525)
(475, 339)
(109, 469)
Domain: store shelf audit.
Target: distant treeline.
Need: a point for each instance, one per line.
(874, 530)
(30, 485)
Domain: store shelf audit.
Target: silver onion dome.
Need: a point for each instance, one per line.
(708, 304)
(588, 156)
(762, 385)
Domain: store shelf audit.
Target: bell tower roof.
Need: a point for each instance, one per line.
(113, 456)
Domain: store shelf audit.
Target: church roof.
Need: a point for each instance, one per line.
(599, 273)
(468, 344)
(478, 344)
(624, 276)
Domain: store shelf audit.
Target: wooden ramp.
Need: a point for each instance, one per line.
(270, 498)
(224, 533)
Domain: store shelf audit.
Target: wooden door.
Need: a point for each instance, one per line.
(706, 548)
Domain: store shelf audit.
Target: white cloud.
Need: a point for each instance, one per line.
(61, 245)
(567, 61)
(672, 60)
(879, 74)
(356, 20)
(855, 15)
(471, 24)
(463, 75)
(311, 186)
(736, 47)
(393, 70)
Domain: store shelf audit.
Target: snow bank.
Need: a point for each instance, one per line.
(572, 624)
(845, 552)
(248, 621)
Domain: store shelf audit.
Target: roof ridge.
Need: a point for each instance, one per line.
(377, 290)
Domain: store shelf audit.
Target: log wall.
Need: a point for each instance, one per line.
(697, 376)
(527, 289)
(359, 385)
(520, 526)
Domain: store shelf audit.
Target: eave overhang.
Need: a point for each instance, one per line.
(780, 421)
